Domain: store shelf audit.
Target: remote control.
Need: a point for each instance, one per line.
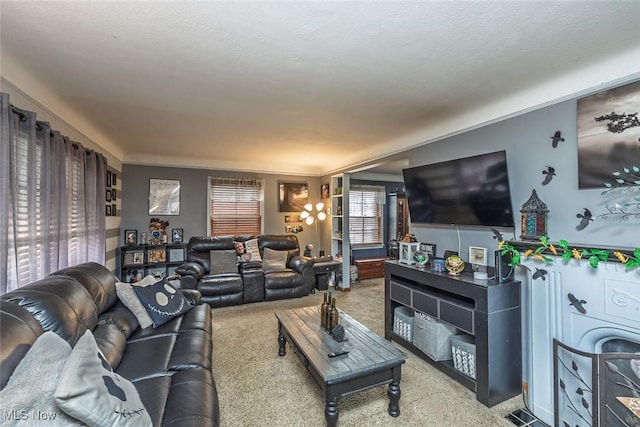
(337, 353)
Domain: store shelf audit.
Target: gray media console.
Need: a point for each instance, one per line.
(487, 310)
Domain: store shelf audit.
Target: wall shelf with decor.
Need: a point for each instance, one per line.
(137, 261)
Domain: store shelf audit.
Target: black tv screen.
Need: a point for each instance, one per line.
(470, 191)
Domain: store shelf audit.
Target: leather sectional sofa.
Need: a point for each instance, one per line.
(170, 365)
(250, 280)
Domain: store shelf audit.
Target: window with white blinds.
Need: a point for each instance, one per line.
(365, 214)
(235, 206)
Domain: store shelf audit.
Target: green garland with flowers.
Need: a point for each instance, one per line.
(630, 260)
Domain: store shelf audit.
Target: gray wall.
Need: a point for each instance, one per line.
(193, 199)
(526, 139)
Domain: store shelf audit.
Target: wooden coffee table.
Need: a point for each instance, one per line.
(372, 361)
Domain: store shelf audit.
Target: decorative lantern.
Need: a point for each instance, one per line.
(533, 218)
(407, 252)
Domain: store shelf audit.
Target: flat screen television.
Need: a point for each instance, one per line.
(471, 191)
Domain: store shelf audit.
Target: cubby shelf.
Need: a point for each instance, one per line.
(137, 261)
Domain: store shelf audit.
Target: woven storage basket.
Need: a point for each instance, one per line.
(432, 336)
(353, 273)
(403, 322)
(463, 351)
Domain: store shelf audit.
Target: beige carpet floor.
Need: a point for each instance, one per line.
(256, 387)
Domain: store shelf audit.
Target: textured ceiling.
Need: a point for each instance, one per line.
(304, 87)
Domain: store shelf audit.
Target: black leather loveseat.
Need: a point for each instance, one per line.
(247, 280)
(170, 365)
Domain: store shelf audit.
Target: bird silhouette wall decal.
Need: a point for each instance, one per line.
(550, 173)
(497, 235)
(577, 303)
(586, 217)
(556, 138)
(540, 274)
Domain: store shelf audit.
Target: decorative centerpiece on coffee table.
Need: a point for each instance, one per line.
(329, 316)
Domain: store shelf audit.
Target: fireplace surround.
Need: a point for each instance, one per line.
(579, 322)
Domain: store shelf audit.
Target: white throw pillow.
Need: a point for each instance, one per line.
(252, 248)
(90, 391)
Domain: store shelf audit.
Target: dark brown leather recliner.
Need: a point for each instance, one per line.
(250, 283)
(297, 279)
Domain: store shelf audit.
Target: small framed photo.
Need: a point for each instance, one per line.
(176, 255)
(290, 219)
(130, 237)
(113, 194)
(108, 180)
(429, 248)
(138, 258)
(177, 235)
(108, 195)
(128, 259)
(157, 256)
(107, 210)
(477, 255)
(324, 191)
(113, 179)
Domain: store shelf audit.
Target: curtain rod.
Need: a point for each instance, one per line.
(23, 118)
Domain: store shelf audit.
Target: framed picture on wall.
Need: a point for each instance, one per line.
(292, 219)
(130, 237)
(292, 196)
(164, 196)
(324, 191)
(177, 235)
(108, 181)
(608, 135)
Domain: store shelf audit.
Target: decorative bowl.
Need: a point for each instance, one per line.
(454, 265)
(421, 258)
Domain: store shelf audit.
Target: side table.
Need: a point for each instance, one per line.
(323, 270)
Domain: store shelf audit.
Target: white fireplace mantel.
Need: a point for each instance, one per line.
(609, 298)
